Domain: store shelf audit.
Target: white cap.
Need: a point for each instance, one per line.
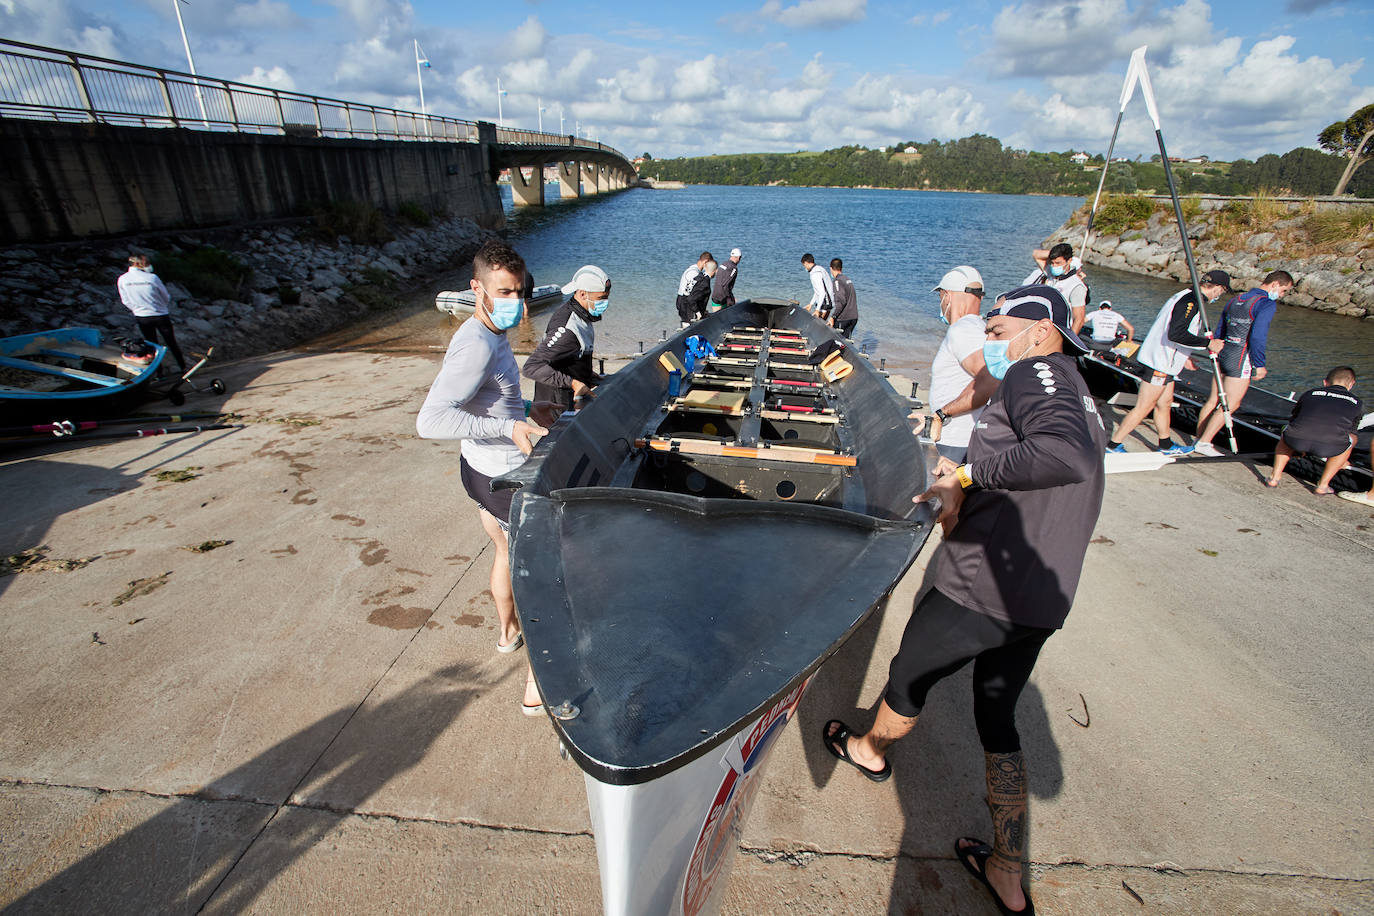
(959, 279)
(736, 253)
(590, 278)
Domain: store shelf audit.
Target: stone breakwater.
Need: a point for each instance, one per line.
(299, 285)
(1340, 280)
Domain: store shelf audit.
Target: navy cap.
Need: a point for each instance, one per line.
(1219, 278)
(1036, 302)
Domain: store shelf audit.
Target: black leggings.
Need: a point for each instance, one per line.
(941, 638)
(150, 327)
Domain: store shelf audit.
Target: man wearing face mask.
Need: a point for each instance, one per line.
(561, 366)
(1017, 517)
(476, 398)
(1058, 268)
(958, 363)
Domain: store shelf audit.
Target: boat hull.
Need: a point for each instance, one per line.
(76, 374)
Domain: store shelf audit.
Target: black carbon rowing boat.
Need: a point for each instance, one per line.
(1259, 422)
(686, 551)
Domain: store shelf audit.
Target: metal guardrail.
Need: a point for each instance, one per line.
(50, 84)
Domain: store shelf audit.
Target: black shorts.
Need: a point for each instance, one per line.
(847, 326)
(478, 485)
(1321, 448)
(940, 638)
(1234, 361)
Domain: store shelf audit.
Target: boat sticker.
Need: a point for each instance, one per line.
(720, 833)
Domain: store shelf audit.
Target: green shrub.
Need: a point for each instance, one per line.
(375, 276)
(1334, 227)
(361, 222)
(208, 273)
(1119, 212)
(414, 214)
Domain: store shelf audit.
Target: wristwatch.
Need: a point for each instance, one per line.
(941, 415)
(964, 476)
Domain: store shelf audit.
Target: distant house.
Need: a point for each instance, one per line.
(882, 149)
(1079, 158)
(909, 149)
(1195, 160)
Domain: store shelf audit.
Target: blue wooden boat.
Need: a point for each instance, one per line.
(70, 373)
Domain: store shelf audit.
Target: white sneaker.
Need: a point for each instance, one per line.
(1361, 498)
(1206, 450)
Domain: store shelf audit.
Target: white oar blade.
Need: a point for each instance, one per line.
(1132, 74)
(1129, 462)
(1147, 90)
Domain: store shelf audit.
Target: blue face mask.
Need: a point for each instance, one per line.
(506, 313)
(599, 308)
(1054, 271)
(995, 356)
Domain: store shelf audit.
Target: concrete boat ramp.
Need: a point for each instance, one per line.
(310, 716)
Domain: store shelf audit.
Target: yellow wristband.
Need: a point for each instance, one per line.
(964, 477)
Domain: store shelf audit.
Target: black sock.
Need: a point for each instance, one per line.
(1166, 444)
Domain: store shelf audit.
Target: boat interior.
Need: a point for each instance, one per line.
(66, 361)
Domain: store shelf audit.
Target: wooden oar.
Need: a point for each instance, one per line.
(1149, 95)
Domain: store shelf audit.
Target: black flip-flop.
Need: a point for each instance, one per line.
(981, 852)
(837, 743)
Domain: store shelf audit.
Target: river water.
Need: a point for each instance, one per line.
(895, 245)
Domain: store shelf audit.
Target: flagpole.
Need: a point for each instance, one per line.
(500, 117)
(420, 81)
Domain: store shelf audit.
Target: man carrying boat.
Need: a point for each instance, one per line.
(845, 317)
(561, 366)
(693, 289)
(1244, 326)
(1323, 423)
(822, 288)
(1017, 518)
(1104, 323)
(476, 398)
(1168, 346)
(959, 381)
(723, 284)
(1058, 268)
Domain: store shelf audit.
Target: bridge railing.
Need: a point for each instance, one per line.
(55, 85)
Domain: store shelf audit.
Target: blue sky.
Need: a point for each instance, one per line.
(1232, 78)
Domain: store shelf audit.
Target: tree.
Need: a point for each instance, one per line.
(1354, 138)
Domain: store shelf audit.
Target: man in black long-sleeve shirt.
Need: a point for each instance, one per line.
(723, 284)
(1017, 518)
(561, 366)
(1323, 423)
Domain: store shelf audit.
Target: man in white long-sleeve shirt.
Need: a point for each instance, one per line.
(143, 294)
(822, 288)
(476, 398)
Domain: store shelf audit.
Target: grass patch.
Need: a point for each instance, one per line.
(414, 214)
(208, 273)
(361, 222)
(36, 559)
(207, 546)
(375, 276)
(178, 476)
(375, 298)
(1338, 226)
(1192, 207)
(1119, 212)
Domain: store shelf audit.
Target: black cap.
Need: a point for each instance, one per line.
(1035, 302)
(1218, 278)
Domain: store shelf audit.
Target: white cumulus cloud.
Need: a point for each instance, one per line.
(529, 38)
(815, 13)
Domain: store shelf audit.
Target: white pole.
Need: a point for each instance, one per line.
(500, 118)
(540, 103)
(560, 120)
(191, 63)
(420, 81)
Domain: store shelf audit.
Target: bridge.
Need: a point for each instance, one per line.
(63, 113)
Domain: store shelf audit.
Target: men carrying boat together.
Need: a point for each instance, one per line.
(1017, 518)
(845, 316)
(959, 381)
(723, 284)
(694, 288)
(561, 366)
(822, 288)
(1167, 349)
(476, 398)
(1323, 423)
(1244, 326)
(1058, 268)
(142, 293)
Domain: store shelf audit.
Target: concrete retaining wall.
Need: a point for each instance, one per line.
(69, 181)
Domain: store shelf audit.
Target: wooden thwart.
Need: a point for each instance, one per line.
(61, 371)
(788, 453)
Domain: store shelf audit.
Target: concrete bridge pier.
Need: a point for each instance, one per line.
(569, 184)
(527, 192)
(591, 178)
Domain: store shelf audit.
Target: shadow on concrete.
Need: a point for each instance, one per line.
(155, 868)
